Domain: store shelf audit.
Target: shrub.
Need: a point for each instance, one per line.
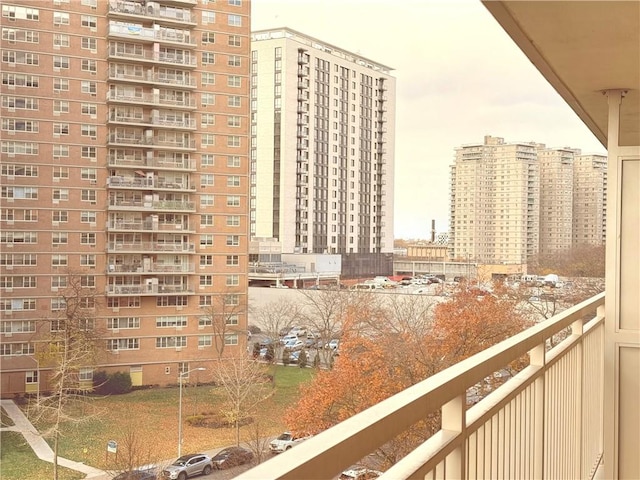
(112, 384)
(285, 357)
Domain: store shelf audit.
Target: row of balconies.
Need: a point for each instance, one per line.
(154, 120)
(184, 101)
(140, 160)
(184, 59)
(135, 32)
(125, 247)
(147, 183)
(149, 289)
(151, 268)
(149, 247)
(142, 140)
(148, 225)
(134, 10)
(159, 205)
(149, 76)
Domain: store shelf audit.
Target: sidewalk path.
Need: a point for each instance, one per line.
(37, 443)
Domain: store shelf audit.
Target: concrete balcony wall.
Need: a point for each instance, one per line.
(545, 422)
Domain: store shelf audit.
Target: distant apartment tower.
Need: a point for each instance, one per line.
(556, 198)
(589, 199)
(322, 146)
(495, 201)
(125, 141)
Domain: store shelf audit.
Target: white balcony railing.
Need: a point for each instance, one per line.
(545, 422)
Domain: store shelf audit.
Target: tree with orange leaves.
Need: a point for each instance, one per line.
(382, 352)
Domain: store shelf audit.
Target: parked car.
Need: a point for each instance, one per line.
(232, 457)
(313, 334)
(294, 357)
(284, 331)
(288, 338)
(264, 343)
(137, 475)
(298, 331)
(359, 473)
(296, 344)
(310, 343)
(332, 344)
(188, 466)
(285, 442)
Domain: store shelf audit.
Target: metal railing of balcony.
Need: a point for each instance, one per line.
(142, 33)
(183, 59)
(117, 139)
(149, 76)
(180, 15)
(153, 268)
(148, 289)
(153, 120)
(545, 422)
(146, 225)
(121, 247)
(152, 99)
(154, 162)
(160, 205)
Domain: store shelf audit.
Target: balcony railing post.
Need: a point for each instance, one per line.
(454, 420)
(537, 357)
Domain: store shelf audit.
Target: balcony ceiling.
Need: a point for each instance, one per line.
(582, 48)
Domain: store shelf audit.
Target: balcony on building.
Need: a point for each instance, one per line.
(146, 246)
(155, 34)
(166, 55)
(133, 158)
(147, 288)
(159, 76)
(150, 205)
(138, 139)
(158, 98)
(134, 11)
(141, 264)
(150, 223)
(152, 118)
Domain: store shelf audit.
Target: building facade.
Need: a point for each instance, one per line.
(124, 167)
(589, 199)
(510, 201)
(322, 146)
(556, 198)
(495, 202)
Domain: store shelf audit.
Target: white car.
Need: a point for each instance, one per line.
(296, 344)
(298, 331)
(285, 442)
(288, 338)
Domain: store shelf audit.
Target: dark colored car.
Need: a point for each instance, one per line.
(232, 457)
(136, 475)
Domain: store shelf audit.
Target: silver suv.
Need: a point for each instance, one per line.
(188, 466)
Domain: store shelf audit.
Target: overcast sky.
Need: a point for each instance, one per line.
(459, 77)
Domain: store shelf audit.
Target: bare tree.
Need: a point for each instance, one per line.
(245, 385)
(257, 441)
(224, 316)
(134, 450)
(274, 316)
(70, 351)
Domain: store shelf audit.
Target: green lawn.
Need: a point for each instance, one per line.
(18, 462)
(5, 420)
(153, 414)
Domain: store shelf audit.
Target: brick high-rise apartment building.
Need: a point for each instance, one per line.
(323, 141)
(125, 165)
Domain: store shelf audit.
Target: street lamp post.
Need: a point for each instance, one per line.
(180, 378)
